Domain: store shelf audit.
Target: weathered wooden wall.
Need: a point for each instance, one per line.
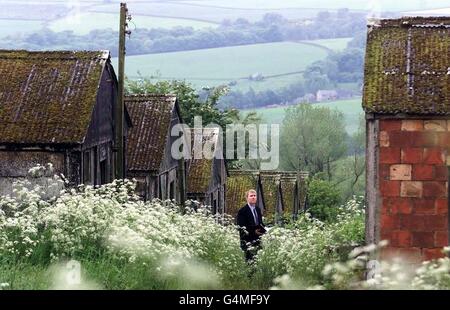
(14, 165)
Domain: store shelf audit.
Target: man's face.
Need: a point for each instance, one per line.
(251, 198)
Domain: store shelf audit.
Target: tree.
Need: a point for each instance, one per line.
(312, 139)
(191, 105)
(188, 99)
(349, 174)
(323, 200)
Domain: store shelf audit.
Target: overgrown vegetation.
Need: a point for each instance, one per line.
(124, 243)
(314, 139)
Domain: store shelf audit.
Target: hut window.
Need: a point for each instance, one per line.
(86, 167)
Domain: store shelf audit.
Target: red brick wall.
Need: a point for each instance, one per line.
(413, 187)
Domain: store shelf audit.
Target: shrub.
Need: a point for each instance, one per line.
(323, 200)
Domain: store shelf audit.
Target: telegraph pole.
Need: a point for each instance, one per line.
(120, 156)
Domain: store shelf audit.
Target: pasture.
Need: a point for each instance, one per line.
(350, 108)
(210, 67)
(83, 23)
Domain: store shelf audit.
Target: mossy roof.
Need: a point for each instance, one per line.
(238, 183)
(151, 117)
(407, 66)
(270, 182)
(288, 185)
(48, 97)
(201, 172)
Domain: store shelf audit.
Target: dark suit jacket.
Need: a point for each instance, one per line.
(245, 219)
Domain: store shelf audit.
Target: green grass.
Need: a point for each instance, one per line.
(182, 9)
(24, 276)
(274, 83)
(14, 26)
(210, 67)
(350, 108)
(383, 5)
(85, 22)
(335, 45)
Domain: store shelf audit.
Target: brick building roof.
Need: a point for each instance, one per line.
(48, 97)
(407, 66)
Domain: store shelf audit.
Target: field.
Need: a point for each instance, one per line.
(15, 26)
(83, 23)
(182, 9)
(334, 45)
(209, 67)
(93, 14)
(382, 5)
(350, 108)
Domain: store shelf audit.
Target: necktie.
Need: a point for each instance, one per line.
(256, 216)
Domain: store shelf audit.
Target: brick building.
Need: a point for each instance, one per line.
(407, 103)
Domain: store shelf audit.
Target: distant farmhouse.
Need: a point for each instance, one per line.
(149, 145)
(206, 177)
(57, 107)
(280, 194)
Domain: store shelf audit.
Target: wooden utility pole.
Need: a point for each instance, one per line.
(120, 156)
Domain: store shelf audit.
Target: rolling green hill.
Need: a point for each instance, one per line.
(383, 5)
(336, 45)
(350, 108)
(16, 26)
(83, 23)
(209, 67)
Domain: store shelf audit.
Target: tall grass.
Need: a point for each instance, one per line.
(121, 242)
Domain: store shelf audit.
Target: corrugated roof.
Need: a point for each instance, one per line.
(151, 116)
(288, 187)
(407, 66)
(238, 183)
(48, 97)
(201, 169)
(270, 183)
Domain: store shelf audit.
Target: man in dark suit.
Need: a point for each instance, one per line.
(249, 220)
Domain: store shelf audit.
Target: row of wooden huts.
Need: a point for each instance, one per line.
(59, 107)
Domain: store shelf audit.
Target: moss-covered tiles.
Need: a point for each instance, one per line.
(407, 67)
(48, 97)
(151, 117)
